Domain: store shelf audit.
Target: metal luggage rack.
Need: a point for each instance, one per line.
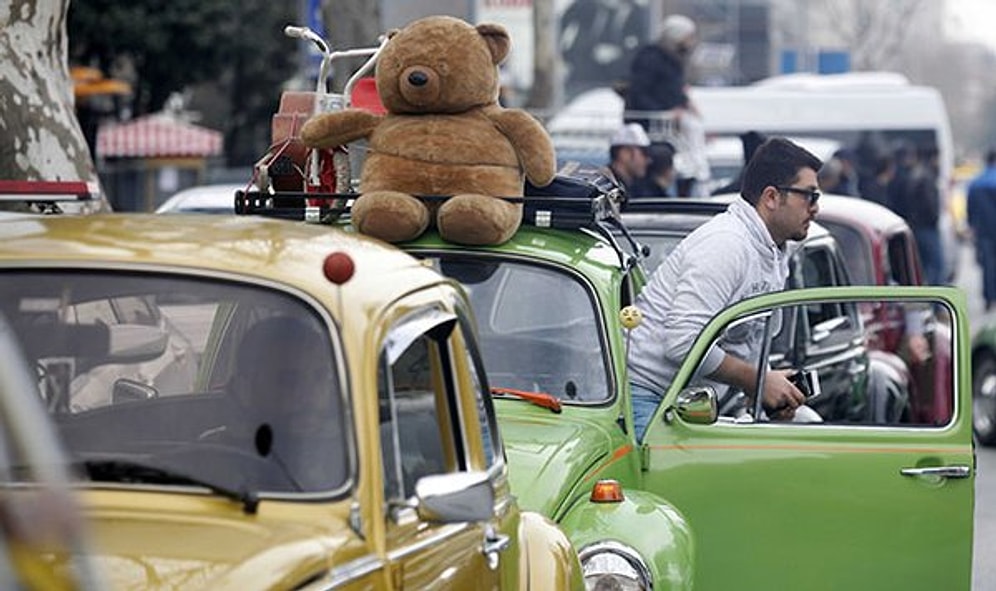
(569, 203)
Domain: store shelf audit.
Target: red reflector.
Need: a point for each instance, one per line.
(338, 267)
(607, 491)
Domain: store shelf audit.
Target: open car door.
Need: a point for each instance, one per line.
(856, 501)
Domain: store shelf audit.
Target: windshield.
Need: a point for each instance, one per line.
(538, 327)
(163, 379)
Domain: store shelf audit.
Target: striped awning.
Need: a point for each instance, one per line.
(157, 136)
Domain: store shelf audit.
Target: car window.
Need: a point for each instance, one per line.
(538, 327)
(243, 391)
(416, 406)
(855, 251)
(852, 386)
(902, 261)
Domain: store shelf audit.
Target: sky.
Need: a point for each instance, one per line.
(972, 20)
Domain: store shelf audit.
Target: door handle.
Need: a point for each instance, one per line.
(494, 543)
(941, 471)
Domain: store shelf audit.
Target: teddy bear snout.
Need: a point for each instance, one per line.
(418, 78)
(420, 86)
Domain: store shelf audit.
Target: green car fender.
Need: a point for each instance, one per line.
(646, 524)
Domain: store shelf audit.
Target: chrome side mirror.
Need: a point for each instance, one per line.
(455, 497)
(697, 405)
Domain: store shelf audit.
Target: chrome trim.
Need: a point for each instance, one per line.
(939, 471)
(346, 573)
(445, 531)
(626, 552)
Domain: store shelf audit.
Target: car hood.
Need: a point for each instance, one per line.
(549, 455)
(210, 544)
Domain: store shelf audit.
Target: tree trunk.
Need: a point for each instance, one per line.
(42, 139)
(350, 24)
(543, 93)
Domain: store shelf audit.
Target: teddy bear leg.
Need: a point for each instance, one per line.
(389, 215)
(478, 219)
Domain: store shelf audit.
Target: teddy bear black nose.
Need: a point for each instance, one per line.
(418, 78)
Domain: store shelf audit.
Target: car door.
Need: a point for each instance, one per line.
(423, 363)
(831, 505)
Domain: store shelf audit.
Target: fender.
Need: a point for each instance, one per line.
(646, 523)
(547, 559)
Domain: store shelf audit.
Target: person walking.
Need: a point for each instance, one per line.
(659, 179)
(656, 97)
(982, 219)
(737, 254)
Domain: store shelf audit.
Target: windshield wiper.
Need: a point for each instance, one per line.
(119, 470)
(538, 398)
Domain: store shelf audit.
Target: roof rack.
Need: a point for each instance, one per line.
(675, 205)
(568, 203)
(44, 196)
(47, 191)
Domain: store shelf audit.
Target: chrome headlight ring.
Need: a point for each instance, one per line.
(611, 565)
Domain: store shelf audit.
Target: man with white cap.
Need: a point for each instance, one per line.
(628, 155)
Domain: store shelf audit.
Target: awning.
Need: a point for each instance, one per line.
(157, 136)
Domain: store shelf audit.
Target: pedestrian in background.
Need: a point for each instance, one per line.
(982, 219)
(628, 157)
(656, 97)
(660, 177)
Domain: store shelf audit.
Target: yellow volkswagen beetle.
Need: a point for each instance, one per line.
(256, 404)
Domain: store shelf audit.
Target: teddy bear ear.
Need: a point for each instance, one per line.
(499, 43)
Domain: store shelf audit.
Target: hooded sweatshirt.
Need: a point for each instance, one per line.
(729, 258)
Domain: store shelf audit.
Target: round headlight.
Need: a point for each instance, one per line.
(611, 566)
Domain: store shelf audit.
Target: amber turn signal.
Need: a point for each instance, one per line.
(607, 491)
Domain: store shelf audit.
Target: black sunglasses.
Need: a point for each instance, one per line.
(812, 196)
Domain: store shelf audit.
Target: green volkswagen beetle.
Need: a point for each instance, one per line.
(701, 501)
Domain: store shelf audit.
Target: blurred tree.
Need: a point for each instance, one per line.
(875, 32)
(237, 48)
(42, 139)
(350, 23)
(543, 94)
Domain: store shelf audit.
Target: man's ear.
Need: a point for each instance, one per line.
(770, 197)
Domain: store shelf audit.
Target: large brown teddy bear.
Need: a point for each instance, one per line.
(444, 134)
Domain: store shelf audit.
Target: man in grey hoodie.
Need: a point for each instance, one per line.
(739, 253)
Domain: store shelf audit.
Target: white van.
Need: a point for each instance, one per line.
(846, 108)
(834, 106)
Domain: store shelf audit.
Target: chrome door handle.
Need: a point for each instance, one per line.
(494, 543)
(942, 471)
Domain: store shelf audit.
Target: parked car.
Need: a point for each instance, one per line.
(44, 543)
(337, 431)
(880, 249)
(984, 384)
(697, 502)
(215, 198)
(858, 385)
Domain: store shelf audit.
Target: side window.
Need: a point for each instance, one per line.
(417, 407)
(845, 381)
(482, 398)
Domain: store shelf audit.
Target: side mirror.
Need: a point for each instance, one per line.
(823, 330)
(697, 405)
(455, 497)
(126, 390)
(135, 343)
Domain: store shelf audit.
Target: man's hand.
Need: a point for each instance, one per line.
(781, 397)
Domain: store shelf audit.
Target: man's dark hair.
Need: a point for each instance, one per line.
(776, 163)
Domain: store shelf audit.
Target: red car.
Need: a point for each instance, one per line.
(879, 249)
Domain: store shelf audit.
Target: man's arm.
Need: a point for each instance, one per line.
(780, 397)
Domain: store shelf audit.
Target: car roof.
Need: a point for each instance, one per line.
(285, 252)
(203, 199)
(855, 211)
(686, 214)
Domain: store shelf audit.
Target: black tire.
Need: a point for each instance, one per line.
(984, 400)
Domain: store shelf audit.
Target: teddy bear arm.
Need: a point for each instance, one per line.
(531, 143)
(326, 130)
